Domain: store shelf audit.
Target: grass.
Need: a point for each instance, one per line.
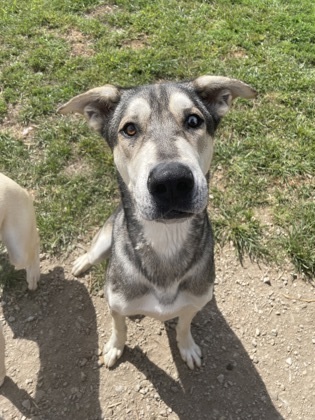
(264, 165)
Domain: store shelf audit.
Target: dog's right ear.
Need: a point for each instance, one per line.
(94, 104)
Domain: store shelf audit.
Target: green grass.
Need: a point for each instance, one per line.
(263, 171)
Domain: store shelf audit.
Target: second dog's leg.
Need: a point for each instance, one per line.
(2, 365)
(113, 349)
(99, 251)
(189, 350)
(33, 270)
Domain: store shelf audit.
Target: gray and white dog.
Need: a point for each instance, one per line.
(159, 241)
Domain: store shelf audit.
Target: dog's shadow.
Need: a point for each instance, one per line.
(227, 386)
(60, 318)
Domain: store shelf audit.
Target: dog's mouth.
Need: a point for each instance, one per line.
(174, 215)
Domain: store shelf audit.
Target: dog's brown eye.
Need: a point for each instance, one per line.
(194, 121)
(129, 130)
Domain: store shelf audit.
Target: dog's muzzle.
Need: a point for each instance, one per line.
(171, 186)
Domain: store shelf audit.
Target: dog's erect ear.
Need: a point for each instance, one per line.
(94, 104)
(219, 92)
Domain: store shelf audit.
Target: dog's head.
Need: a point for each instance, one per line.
(162, 138)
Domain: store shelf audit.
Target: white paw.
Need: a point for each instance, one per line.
(113, 350)
(191, 353)
(81, 264)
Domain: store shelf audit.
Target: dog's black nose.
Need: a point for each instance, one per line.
(170, 183)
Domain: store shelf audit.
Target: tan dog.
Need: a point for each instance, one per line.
(19, 234)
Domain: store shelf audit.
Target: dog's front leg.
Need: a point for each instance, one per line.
(2, 348)
(189, 350)
(114, 348)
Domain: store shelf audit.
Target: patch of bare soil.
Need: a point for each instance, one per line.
(79, 43)
(103, 10)
(257, 338)
(15, 129)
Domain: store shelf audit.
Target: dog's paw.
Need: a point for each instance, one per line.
(113, 350)
(81, 264)
(190, 353)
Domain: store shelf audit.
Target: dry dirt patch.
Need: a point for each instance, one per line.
(258, 342)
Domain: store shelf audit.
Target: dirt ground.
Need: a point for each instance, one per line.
(257, 337)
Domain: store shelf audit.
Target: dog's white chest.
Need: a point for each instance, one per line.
(159, 304)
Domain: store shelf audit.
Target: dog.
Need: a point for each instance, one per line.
(160, 240)
(19, 234)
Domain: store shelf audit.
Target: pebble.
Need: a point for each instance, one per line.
(26, 404)
(83, 362)
(289, 361)
(39, 395)
(220, 378)
(266, 280)
(100, 362)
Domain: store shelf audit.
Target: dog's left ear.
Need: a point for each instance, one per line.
(218, 92)
(94, 104)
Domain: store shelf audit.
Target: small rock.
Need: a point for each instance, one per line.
(289, 361)
(266, 280)
(220, 378)
(26, 404)
(100, 362)
(83, 362)
(257, 332)
(11, 319)
(39, 395)
(119, 388)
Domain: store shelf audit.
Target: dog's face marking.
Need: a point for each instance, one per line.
(162, 139)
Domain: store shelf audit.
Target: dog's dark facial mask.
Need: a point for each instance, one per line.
(162, 138)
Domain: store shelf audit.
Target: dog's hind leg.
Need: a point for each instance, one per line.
(99, 251)
(189, 350)
(114, 348)
(2, 366)
(33, 270)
